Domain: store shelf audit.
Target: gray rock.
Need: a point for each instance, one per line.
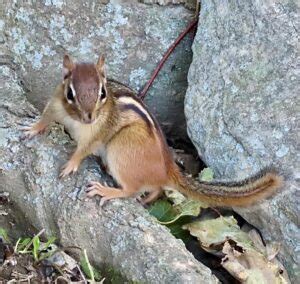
(191, 4)
(132, 35)
(121, 234)
(243, 109)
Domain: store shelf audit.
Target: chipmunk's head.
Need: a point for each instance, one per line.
(84, 89)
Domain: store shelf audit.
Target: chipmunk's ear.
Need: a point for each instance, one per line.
(68, 66)
(101, 66)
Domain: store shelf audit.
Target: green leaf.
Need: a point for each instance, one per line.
(187, 208)
(115, 277)
(88, 269)
(36, 247)
(206, 174)
(4, 235)
(47, 249)
(163, 211)
(21, 244)
(167, 214)
(50, 241)
(178, 232)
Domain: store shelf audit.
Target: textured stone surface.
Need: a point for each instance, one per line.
(122, 234)
(242, 105)
(191, 4)
(132, 35)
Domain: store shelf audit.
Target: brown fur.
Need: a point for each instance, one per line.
(86, 81)
(131, 143)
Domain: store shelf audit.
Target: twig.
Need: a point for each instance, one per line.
(81, 274)
(21, 277)
(60, 278)
(216, 210)
(189, 28)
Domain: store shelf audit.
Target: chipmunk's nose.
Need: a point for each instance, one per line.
(87, 117)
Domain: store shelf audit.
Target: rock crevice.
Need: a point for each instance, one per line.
(242, 106)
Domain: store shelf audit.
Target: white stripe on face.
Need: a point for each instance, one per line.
(73, 89)
(129, 100)
(100, 89)
(73, 92)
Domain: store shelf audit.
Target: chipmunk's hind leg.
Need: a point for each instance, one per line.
(152, 196)
(135, 158)
(135, 162)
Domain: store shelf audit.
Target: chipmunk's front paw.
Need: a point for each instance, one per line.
(69, 168)
(32, 130)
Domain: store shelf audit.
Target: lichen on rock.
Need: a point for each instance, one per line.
(133, 37)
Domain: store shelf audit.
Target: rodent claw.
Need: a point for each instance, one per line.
(25, 127)
(94, 191)
(141, 201)
(68, 169)
(103, 201)
(94, 188)
(31, 129)
(91, 183)
(88, 188)
(25, 123)
(29, 134)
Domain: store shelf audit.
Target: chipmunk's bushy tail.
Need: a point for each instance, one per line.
(241, 193)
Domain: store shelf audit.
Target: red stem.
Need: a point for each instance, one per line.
(189, 28)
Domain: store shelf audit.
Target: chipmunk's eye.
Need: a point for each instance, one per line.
(103, 93)
(70, 95)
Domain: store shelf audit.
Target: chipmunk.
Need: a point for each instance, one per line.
(119, 127)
